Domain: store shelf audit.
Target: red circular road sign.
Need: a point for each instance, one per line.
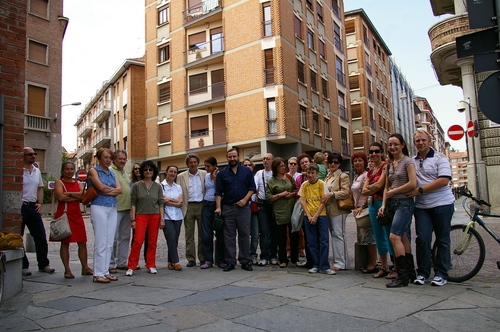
(470, 129)
(81, 175)
(456, 132)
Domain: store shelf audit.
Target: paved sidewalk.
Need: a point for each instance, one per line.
(267, 299)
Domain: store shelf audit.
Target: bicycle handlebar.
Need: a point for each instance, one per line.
(467, 193)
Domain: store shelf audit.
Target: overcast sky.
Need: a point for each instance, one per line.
(102, 34)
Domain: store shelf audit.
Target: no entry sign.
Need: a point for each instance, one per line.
(81, 175)
(470, 129)
(456, 132)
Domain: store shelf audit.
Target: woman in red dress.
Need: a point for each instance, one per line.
(69, 193)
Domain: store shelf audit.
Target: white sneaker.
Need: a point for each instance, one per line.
(313, 270)
(254, 260)
(26, 272)
(275, 261)
(152, 270)
(263, 262)
(420, 280)
(438, 281)
(129, 272)
(329, 272)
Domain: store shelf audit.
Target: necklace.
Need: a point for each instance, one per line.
(148, 188)
(395, 164)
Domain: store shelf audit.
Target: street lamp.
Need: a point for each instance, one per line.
(76, 103)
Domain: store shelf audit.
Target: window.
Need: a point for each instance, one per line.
(310, 39)
(216, 39)
(303, 117)
(199, 126)
(165, 132)
(269, 66)
(336, 37)
(125, 113)
(198, 83)
(163, 15)
(125, 145)
(40, 159)
(316, 122)
(309, 4)
(39, 8)
(324, 87)
(322, 49)
(36, 100)
(164, 53)
(314, 84)
(268, 28)
(164, 93)
(37, 52)
(300, 72)
(197, 42)
(298, 27)
(327, 128)
(342, 108)
(319, 9)
(335, 8)
(340, 71)
(271, 116)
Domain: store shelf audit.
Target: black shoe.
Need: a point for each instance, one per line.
(191, 264)
(247, 266)
(228, 267)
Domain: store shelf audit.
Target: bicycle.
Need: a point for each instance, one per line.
(466, 244)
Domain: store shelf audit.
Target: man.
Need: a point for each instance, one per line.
(234, 187)
(31, 209)
(268, 243)
(119, 255)
(192, 183)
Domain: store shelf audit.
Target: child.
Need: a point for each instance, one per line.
(315, 220)
(319, 159)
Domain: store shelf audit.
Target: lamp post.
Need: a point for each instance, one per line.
(76, 103)
(469, 106)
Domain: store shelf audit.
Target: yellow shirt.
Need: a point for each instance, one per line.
(312, 194)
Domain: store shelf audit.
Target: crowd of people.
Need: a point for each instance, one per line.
(250, 214)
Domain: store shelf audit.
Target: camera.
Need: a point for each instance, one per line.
(462, 106)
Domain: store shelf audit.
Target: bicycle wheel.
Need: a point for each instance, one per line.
(465, 264)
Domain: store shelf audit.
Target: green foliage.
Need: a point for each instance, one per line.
(64, 157)
(46, 191)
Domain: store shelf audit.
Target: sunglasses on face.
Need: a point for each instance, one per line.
(247, 165)
(374, 151)
(31, 154)
(336, 162)
(293, 164)
(267, 158)
(148, 170)
(137, 169)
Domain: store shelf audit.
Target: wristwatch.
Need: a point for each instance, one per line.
(420, 190)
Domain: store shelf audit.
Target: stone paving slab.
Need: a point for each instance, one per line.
(299, 292)
(66, 291)
(224, 325)
(182, 317)
(476, 298)
(492, 313)
(136, 322)
(35, 313)
(450, 304)
(18, 324)
(226, 309)
(405, 324)
(70, 303)
(33, 286)
(341, 280)
(274, 278)
(457, 320)
(263, 301)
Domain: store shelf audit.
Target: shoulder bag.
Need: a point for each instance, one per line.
(59, 227)
(89, 192)
(363, 217)
(346, 203)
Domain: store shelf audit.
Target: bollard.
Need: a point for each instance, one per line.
(29, 242)
(360, 256)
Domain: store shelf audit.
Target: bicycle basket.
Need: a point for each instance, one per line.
(469, 206)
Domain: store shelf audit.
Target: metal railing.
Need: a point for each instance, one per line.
(207, 138)
(336, 9)
(346, 148)
(101, 136)
(370, 95)
(373, 124)
(203, 50)
(340, 77)
(204, 94)
(338, 42)
(33, 122)
(368, 68)
(200, 10)
(267, 28)
(343, 112)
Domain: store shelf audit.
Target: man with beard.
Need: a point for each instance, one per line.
(234, 187)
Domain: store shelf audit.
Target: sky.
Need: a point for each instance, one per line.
(102, 34)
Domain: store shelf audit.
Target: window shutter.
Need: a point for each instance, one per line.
(36, 100)
(199, 123)
(165, 132)
(37, 52)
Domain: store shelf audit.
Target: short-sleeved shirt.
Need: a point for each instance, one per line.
(209, 188)
(174, 191)
(109, 179)
(31, 182)
(123, 200)
(399, 177)
(430, 168)
(233, 187)
(312, 193)
(261, 178)
(282, 207)
(146, 200)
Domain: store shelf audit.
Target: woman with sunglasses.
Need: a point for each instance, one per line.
(339, 187)
(147, 213)
(401, 179)
(135, 176)
(374, 187)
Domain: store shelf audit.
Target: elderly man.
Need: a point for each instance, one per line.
(192, 183)
(233, 189)
(31, 209)
(119, 255)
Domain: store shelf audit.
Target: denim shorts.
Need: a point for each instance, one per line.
(402, 211)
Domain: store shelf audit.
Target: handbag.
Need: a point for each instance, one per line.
(385, 219)
(297, 216)
(346, 203)
(254, 207)
(59, 227)
(89, 193)
(218, 222)
(363, 219)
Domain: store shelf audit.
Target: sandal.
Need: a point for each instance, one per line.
(101, 279)
(372, 270)
(110, 277)
(69, 275)
(206, 265)
(87, 272)
(381, 273)
(113, 270)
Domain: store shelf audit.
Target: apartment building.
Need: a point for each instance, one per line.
(369, 82)
(45, 28)
(459, 161)
(259, 76)
(427, 120)
(114, 118)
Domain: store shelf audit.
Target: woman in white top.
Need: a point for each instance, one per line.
(172, 198)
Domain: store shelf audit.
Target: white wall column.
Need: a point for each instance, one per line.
(460, 7)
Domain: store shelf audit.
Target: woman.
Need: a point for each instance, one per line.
(280, 191)
(366, 236)
(172, 197)
(207, 218)
(254, 220)
(401, 179)
(434, 206)
(103, 214)
(374, 187)
(135, 176)
(69, 193)
(339, 187)
(146, 213)
(315, 220)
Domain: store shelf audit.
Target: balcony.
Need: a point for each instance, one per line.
(368, 68)
(199, 12)
(336, 9)
(85, 128)
(267, 28)
(346, 148)
(205, 95)
(341, 77)
(343, 112)
(85, 152)
(102, 112)
(39, 123)
(102, 138)
(204, 52)
(338, 42)
(215, 138)
(370, 95)
(366, 40)
(373, 124)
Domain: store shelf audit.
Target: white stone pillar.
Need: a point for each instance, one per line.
(460, 7)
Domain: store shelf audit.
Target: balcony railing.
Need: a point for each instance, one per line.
(267, 27)
(338, 42)
(33, 122)
(346, 148)
(203, 50)
(102, 113)
(370, 95)
(207, 138)
(366, 40)
(85, 128)
(368, 68)
(269, 75)
(198, 11)
(85, 152)
(373, 124)
(340, 77)
(205, 94)
(336, 9)
(343, 112)
(101, 138)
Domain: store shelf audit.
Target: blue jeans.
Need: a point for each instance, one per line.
(33, 220)
(254, 234)
(207, 236)
(317, 242)
(384, 246)
(402, 211)
(437, 219)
